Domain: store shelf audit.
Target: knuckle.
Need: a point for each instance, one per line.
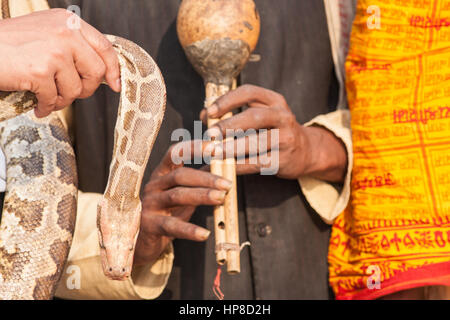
(47, 108)
(219, 130)
(258, 114)
(56, 53)
(247, 88)
(206, 196)
(63, 16)
(52, 102)
(61, 103)
(281, 99)
(148, 202)
(51, 105)
(25, 85)
(190, 230)
(104, 44)
(76, 91)
(68, 93)
(59, 11)
(98, 71)
(164, 226)
(288, 118)
(63, 31)
(176, 176)
(40, 71)
(173, 195)
(211, 179)
(148, 189)
(288, 138)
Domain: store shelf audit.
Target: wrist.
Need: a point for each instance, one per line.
(148, 250)
(327, 155)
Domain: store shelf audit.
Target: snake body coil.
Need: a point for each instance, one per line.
(40, 205)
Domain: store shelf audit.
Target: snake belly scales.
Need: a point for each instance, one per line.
(39, 212)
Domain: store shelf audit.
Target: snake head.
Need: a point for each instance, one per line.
(118, 228)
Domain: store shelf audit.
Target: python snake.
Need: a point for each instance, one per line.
(39, 213)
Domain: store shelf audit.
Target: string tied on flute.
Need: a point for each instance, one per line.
(216, 286)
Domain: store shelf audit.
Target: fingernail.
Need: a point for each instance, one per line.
(203, 233)
(217, 195)
(203, 114)
(224, 184)
(39, 114)
(212, 111)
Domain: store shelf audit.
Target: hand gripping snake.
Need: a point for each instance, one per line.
(39, 211)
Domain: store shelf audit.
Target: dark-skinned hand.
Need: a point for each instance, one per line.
(301, 151)
(170, 198)
(174, 191)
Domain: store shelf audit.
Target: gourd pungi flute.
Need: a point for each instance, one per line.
(218, 37)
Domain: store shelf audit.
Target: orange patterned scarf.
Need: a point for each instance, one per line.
(395, 233)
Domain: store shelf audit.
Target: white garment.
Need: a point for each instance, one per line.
(340, 15)
(2, 171)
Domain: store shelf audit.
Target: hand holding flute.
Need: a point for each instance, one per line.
(218, 38)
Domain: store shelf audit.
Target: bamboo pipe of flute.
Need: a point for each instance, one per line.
(226, 221)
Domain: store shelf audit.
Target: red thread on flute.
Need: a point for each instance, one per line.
(216, 286)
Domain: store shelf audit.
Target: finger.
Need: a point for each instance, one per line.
(47, 96)
(252, 118)
(182, 196)
(184, 213)
(68, 84)
(267, 164)
(206, 168)
(188, 177)
(250, 144)
(204, 116)
(204, 113)
(246, 94)
(90, 66)
(180, 153)
(175, 228)
(105, 50)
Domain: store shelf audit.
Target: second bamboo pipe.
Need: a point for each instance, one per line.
(226, 226)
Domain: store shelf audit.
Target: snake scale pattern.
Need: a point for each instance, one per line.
(39, 213)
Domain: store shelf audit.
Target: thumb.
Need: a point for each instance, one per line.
(105, 50)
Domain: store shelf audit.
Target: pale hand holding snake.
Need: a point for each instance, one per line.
(40, 205)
